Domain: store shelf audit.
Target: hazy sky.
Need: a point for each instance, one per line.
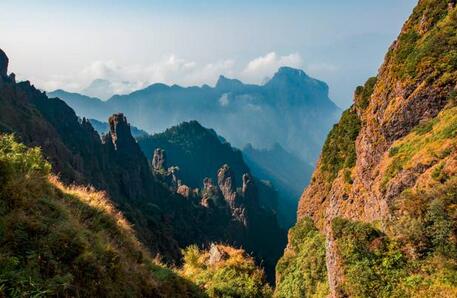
(67, 44)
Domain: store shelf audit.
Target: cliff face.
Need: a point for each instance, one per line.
(398, 139)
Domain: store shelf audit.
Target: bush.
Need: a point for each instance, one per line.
(363, 93)
(339, 148)
(302, 271)
(418, 256)
(224, 271)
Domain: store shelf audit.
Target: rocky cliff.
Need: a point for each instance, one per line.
(371, 194)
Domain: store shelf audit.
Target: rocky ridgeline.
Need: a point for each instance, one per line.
(397, 140)
(3, 64)
(225, 194)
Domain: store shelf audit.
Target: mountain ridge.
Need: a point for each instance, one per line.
(385, 179)
(228, 107)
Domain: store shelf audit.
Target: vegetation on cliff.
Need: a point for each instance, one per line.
(430, 143)
(384, 191)
(416, 256)
(339, 148)
(302, 271)
(427, 47)
(69, 241)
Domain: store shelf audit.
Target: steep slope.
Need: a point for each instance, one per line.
(291, 109)
(287, 173)
(383, 193)
(196, 150)
(69, 241)
(195, 162)
(78, 155)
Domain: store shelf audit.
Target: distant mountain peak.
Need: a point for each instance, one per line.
(224, 83)
(291, 71)
(288, 76)
(291, 74)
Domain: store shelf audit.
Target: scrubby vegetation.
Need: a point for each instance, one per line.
(223, 271)
(427, 46)
(302, 271)
(363, 93)
(417, 257)
(339, 148)
(69, 241)
(429, 141)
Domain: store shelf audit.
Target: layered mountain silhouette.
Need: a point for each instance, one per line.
(165, 219)
(287, 174)
(291, 109)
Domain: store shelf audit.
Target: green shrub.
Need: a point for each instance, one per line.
(418, 256)
(302, 271)
(372, 264)
(232, 274)
(339, 148)
(363, 93)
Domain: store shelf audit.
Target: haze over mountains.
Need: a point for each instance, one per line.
(280, 125)
(291, 109)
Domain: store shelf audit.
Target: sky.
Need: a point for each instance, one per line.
(132, 44)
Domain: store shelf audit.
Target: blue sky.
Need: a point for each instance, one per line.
(67, 44)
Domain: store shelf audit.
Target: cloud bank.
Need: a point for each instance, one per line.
(105, 78)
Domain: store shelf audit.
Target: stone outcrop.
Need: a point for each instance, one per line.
(159, 160)
(119, 133)
(216, 255)
(226, 182)
(3, 64)
(249, 189)
(184, 191)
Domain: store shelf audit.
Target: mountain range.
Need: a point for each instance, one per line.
(291, 109)
(165, 219)
(183, 213)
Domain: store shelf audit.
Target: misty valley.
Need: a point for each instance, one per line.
(230, 187)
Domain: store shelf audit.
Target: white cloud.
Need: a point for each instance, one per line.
(264, 66)
(170, 69)
(224, 100)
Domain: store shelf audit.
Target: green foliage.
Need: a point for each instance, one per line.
(430, 225)
(418, 257)
(233, 275)
(425, 127)
(302, 271)
(70, 242)
(339, 148)
(426, 139)
(438, 173)
(426, 48)
(363, 93)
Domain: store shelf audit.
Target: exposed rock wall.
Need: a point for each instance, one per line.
(414, 87)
